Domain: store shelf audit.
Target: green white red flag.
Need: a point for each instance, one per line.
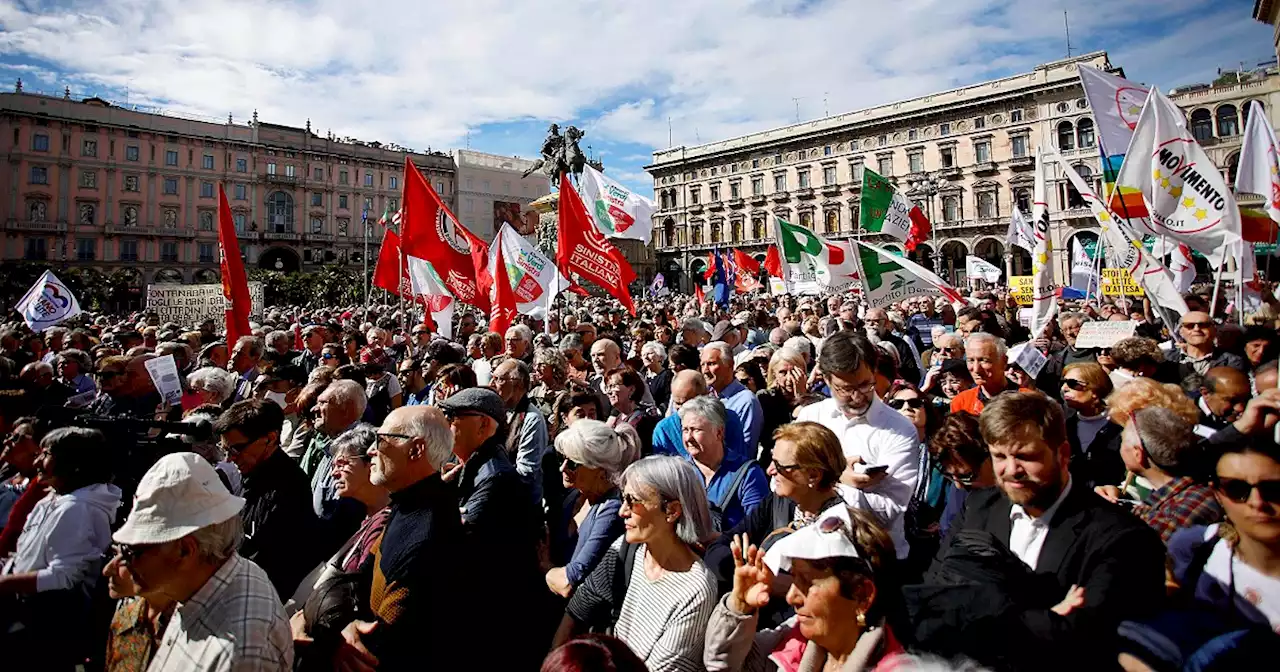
(534, 279)
(888, 278)
(886, 211)
(808, 263)
(617, 211)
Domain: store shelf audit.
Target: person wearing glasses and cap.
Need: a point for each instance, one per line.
(179, 545)
(841, 587)
(1199, 348)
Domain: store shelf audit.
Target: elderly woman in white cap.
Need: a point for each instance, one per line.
(838, 589)
(594, 457)
(179, 544)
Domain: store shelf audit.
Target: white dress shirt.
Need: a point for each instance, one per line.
(882, 436)
(1027, 533)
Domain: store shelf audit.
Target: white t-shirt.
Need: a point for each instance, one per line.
(1257, 595)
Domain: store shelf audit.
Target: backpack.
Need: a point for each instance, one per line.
(718, 521)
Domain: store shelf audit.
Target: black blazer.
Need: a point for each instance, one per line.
(1099, 463)
(1113, 555)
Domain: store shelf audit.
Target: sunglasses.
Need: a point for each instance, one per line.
(898, 404)
(128, 553)
(960, 479)
(1238, 490)
(1203, 326)
(1077, 385)
(570, 465)
(237, 448)
(328, 355)
(631, 500)
(108, 375)
(785, 468)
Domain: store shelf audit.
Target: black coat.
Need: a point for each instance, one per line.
(660, 388)
(1099, 463)
(1116, 558)
(280, 527)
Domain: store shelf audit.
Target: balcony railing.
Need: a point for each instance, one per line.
(320, 237)
(36, 227)
(806, 192)
(779, 196)
(282, 179)
(280, 235)
(1020, 162)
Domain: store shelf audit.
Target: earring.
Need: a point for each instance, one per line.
(862, 620)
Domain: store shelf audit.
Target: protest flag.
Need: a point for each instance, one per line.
(47, 303)
(235, 284)
(888, 278)
(809, 264)
(582, 249)
(433, 235)
(886, 211)
(1044, 297)
(617, 211)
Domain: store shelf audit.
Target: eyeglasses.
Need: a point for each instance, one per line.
(570, 465)
(1238, 490)
(631, 500)
(1077, 385)
(345, 460)
(1202, 326)
(383, 436)
(454, 415)
(237, 448)
(128, 553)
(785, 468)
(915, 403)
(108, 375)
(863, 389)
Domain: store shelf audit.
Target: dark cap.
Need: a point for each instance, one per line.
(722, 328)
(476, 400)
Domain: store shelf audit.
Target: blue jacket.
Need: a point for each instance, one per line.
(668, 439)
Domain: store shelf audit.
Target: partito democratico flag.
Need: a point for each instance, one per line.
(1185, 196)
(535, 281)
(618, 212)
(888, 278)
(886, 211)
(808, 264)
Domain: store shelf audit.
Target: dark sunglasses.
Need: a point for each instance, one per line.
(785, 468)
(108, 375)
(1197, 325)
(631, 500)
(1238, 490)
(328, 355)
(570, 465)
(128, 553)
(960, 479)
(1077, 385)
(898, 404)
(237, 448)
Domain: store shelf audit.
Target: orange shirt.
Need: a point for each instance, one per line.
(973, 400)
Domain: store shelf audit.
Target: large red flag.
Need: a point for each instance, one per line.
(773, 262)
(503, 312)
(235, 285)
(746, 263)
(390, 271)
(582, 249)
(432, 233)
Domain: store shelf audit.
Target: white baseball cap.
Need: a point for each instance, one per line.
(830, 536)
(178, 495)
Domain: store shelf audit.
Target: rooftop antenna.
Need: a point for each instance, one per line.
(670, 141)
(1067, 22)
(797, 102)
(826, 110)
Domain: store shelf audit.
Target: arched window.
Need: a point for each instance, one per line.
(950, 208)
(715, 233)
(1233, 169)
(806, 220)
(987, 205)
(1022, 197)
(206, 220)
(280, 212)
(1084, 134)
(855, 216)
(1202, 125)
(1228, 123)
(735, 231)
(757, 229)
(668, 231)
(1244, 112)
(1066, 136)
(88, 214)
(833, 222)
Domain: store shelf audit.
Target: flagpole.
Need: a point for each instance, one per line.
(364, 223)
(1217, 284)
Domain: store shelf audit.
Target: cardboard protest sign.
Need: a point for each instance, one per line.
(1104, 334)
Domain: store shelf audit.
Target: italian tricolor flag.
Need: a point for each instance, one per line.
(884, 210)
(807, 263)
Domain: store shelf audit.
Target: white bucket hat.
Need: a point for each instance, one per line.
(828, 537)
(178, 495)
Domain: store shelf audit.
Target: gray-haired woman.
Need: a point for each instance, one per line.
(663, 600)
(594, 457)
(213, 385)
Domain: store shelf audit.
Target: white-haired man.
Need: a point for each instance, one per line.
(179, 545)
(414, 610)
(519, 340)
(986, 356)
(717, 367)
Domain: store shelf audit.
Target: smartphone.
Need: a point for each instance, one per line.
(876, 469)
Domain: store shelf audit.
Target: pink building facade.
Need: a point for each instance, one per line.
(90, 183)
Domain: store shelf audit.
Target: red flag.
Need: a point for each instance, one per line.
(698, 293)
(773, 262)
(577, 289)
(746, 263)
(583, 250)
(390, 269)
(432, 233)
(711, 266)
(503, 312)
(235, 286)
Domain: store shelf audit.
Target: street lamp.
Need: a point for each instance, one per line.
(929, 184)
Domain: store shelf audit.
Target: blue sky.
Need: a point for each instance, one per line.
(491, 74)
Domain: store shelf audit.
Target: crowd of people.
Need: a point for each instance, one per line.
(785, 483)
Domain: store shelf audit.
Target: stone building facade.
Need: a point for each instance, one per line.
(975, 146)
(86, 182)
(491, 190)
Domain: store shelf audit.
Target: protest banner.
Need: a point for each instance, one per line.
(1119, 282)
(1023, 289)
(189, 305)
(1104, 334)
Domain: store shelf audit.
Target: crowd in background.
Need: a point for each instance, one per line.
(783, 483)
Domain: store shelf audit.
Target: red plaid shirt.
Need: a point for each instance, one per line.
(1179, 504)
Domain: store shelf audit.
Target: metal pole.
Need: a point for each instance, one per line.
(1217, 284)
(364, 223)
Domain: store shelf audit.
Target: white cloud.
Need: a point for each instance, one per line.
(423, 72)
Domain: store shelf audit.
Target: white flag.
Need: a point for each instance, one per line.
(977, 267)
(1259, 173)
(47, 303)
(1186, 197)
(535, 281)
(618, 212)
(1125, 248)
(1044, 291)
(888, 278)
(1183, 268)
(1020, 232)
(1116, 103)
(1083, 276)
(430, 289)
